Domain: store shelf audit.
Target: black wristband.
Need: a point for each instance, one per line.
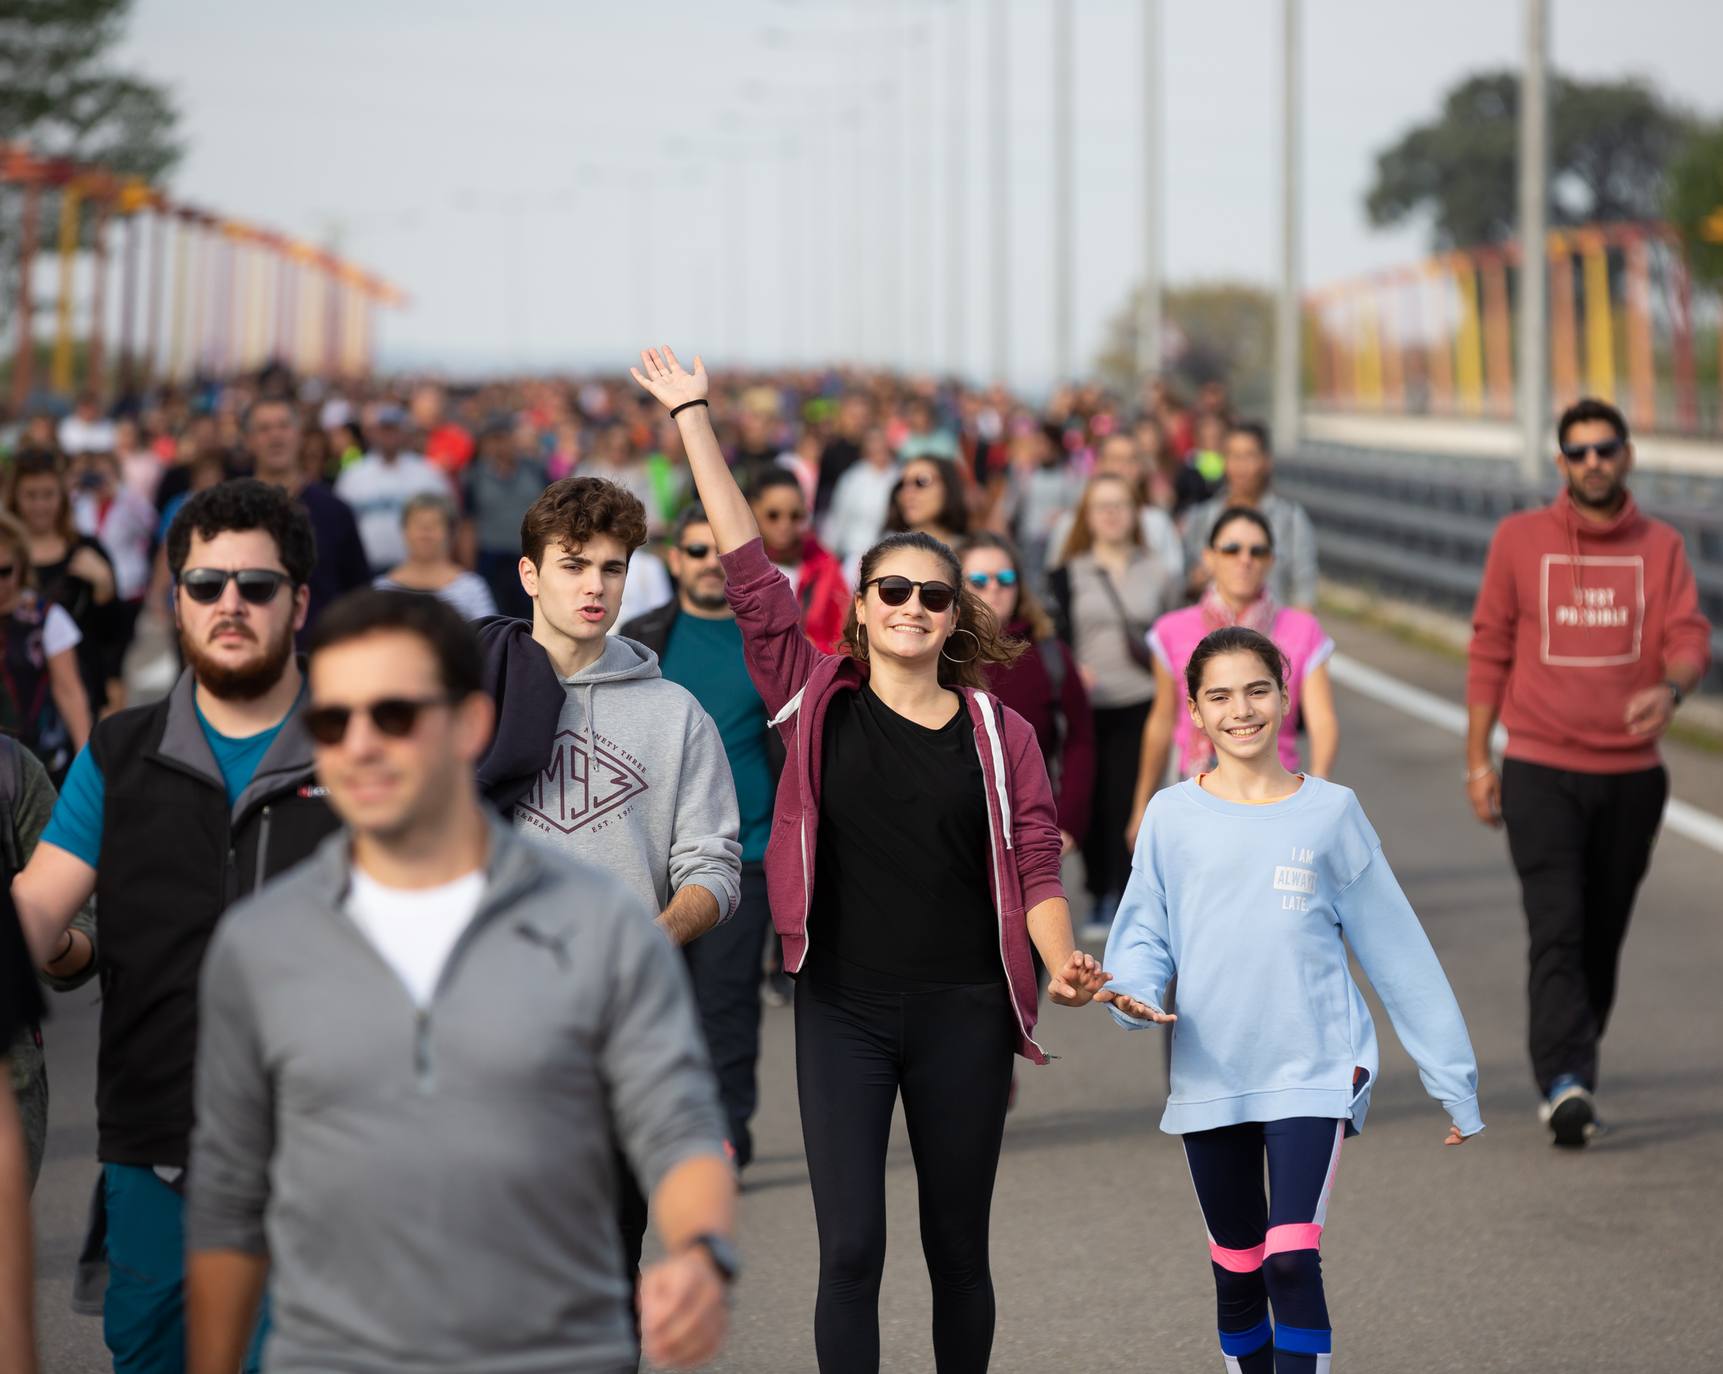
(677, 410)
(67, 951)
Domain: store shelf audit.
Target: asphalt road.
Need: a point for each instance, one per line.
(1502, 1255)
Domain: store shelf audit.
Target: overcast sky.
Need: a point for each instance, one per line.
(555, 182)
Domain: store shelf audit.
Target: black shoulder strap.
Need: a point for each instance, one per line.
(11, 788)
(1053, 660)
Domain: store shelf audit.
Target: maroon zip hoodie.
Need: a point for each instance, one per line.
(797, 682)
(1574, 617)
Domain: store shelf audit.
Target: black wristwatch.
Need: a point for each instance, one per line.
(1676, 695)
(722, 1254)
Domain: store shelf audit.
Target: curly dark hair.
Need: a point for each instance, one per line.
(973, 615)
(246, 504)
(570, 511)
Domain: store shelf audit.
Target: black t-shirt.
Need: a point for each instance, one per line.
(838, 456)
(902, 883)
(20, 998)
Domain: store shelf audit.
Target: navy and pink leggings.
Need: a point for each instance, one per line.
(1265, 1248)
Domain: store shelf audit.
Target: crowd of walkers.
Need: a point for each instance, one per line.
(835, 679)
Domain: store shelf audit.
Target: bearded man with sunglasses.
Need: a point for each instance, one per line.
(1587, 635)
(699, 647)
(173, 812)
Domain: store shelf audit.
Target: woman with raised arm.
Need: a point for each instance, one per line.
(913, 860)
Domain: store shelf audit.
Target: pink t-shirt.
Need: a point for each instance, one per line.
(1174, 639)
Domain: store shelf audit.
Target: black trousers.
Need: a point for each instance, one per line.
(949, 1053)
(724, 966)
(1118, 749)
(1581, 843)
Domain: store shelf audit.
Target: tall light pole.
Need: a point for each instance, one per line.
(1000, 359)
(1287, 315)
(1064, 137)
(1149, 307)
(1534, 227)
(957, 185)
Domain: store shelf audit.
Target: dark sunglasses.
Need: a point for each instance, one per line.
(256, 585)
(1606, 450)
(894, 591)
(393, 716)
(778, 517)
(1254, 550)
(695, 551)
(7, 569)
(921, 483)
(979, 580)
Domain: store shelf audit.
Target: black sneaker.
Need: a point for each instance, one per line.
(1570, 1113)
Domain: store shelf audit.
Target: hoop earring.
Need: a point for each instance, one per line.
(959, 630)
(861, 642)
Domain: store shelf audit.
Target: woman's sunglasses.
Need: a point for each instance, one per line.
(256, 585)
(1006, 577)
(894, 591)
(1257, 551)
(393, 716)
(921, 482)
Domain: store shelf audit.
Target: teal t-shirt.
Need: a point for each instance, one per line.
(76, 825)
(705, 656)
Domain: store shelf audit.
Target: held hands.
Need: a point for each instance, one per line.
(1079, 982)
(1142, 1011)
(684, 1310)
(667, 380)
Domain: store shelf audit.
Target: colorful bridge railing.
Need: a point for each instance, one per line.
(1438, 338)
(217, 294)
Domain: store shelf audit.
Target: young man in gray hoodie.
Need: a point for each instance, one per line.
(415, 1053)
(596, 754)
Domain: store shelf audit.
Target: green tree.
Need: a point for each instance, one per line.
(1611, 145)
(1695, 204)
(63, 95)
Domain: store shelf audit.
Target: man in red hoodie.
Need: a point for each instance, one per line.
(1586, 637)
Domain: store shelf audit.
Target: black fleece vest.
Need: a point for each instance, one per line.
(173, 859)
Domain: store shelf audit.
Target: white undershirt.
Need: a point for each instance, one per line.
(415, 929)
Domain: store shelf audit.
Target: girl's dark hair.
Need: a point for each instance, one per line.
(240, 505)
(1250, 513)
(953, 512)
(1028, 607)
(973, 615)
(1235, 639)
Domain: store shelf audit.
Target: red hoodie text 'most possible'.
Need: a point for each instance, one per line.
(1572, 619)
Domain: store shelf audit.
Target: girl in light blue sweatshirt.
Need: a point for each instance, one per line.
(1248, 883)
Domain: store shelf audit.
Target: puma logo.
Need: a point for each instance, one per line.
(556, 944)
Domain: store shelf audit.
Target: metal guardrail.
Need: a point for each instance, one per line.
(1419, 526)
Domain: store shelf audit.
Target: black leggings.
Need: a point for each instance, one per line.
(1118, 751)
(949, 1052)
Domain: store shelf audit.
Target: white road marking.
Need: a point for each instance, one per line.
(1681, 817)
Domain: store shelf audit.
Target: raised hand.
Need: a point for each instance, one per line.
(666, 378)
(1078, 983)
(1132, 1007)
